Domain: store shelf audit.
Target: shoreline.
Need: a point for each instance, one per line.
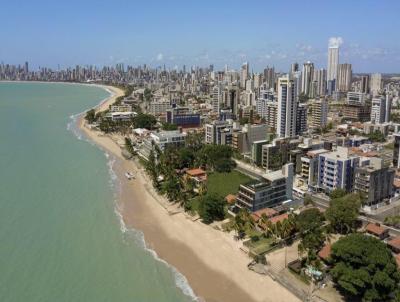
(210, 260)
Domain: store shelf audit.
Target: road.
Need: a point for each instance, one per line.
(323, 203)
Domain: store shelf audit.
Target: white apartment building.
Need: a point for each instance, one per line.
(287, 107)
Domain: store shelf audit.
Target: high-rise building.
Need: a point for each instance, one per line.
(269, 77)
(301, 119)
(320, 82)
(364, 84)
(216, 98)
(232, 99)
(307, 78)
(271, 190)
(267, 108)
(333, 62)
(336, 170)
(388, 107)
(257, 80)
(319, 115)
(218, 132)
(344, 77)
(376, 83)
(396, 150)
(287, 107)
(244, 74)
(378, 110)
(374, 181)
(294, 68)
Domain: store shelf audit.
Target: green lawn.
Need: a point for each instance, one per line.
(259, 247)
(225, 183)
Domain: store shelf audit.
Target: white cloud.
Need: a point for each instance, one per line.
(335, 41)
(160, 57)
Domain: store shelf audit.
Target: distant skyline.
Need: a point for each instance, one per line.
(177, 33)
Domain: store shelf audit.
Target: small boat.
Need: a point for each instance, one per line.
(129, 175)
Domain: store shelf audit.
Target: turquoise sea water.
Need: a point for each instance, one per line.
(60, 238)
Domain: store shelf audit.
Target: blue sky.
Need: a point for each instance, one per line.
(273, 33)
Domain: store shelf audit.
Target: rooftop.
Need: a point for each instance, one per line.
(395, 243)
(280, 218)
(325, 252)
(375, 229)
(196, 172)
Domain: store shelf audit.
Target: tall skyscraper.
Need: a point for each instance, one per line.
(344, 77)
(244, 74)
(376, 83)
(320, 80)
(388, 107)
(307, 78)
(294, 68)
(216, 98)
(319, 113)
(269, 76)
(333, 62)
(364, 84)
(287, 107)
(378, 110)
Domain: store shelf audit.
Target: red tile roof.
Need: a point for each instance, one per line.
(267, 211)
(375, 229)
(395, 243)
(325, 252)
(280, 218)
(196, 172)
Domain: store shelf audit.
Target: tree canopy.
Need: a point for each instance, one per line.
(212, 207)
(376, 136)
(216, 157)
(143, 120)
(309, 223)
(364, 268)
(337, 193)
(168, 126)
(91, 116)
(343, 212)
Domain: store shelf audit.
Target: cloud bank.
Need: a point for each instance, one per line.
(335, 41)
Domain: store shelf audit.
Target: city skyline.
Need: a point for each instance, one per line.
(223, 33)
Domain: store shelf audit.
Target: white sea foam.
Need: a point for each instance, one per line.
(180, 280)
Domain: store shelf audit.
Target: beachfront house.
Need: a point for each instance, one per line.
(198, 177)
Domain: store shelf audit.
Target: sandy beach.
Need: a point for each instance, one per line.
(210, 259)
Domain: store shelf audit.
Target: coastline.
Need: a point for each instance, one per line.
(211, 260)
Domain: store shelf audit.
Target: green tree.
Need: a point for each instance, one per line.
(91, 116)
(147, 95)
(242, 222)
(211, 208)
(337, 193)
(308, 200)
(143, 120)
(364, 268)
(312, 234)
(377, 136)
(343, 213)
(151, 168)
(215, 157)
(172, 187)
(168, 126)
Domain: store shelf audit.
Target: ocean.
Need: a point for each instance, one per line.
(61, 237)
